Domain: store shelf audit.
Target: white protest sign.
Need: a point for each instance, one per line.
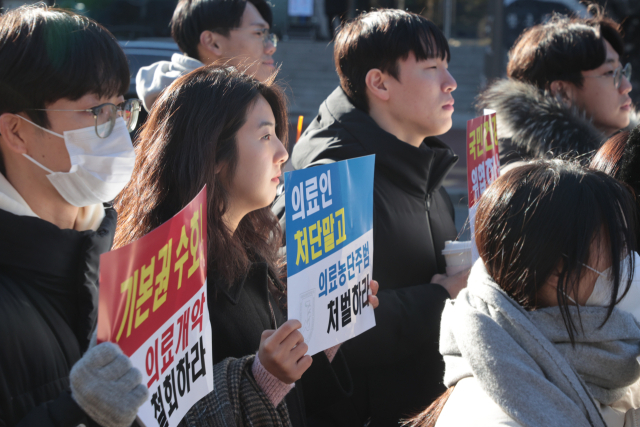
(329, 212)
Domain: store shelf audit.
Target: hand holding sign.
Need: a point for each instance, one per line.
(107, 387)
(282, 352)
(373, 298)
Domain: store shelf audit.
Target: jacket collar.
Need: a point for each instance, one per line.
(419, 171)
(58, 261)
(536, 123)
(33, 244)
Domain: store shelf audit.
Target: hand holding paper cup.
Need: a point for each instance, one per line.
(457, 255)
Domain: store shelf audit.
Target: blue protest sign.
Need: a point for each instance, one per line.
(329, 211)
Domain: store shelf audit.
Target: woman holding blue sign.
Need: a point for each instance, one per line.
(220, 128)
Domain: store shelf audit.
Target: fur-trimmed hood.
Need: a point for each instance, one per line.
(534, 124)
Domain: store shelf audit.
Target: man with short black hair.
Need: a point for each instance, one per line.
(232, 32)
(65, 150)
(394, 97)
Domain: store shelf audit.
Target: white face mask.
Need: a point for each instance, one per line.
(100, 168)
(602, 289)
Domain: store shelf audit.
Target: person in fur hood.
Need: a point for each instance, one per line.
(567, 90)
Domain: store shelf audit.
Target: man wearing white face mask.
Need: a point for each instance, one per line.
(64, 151)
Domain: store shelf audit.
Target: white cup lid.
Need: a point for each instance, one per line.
(454, 247)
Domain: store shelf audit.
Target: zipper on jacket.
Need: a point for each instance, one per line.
(427, 205)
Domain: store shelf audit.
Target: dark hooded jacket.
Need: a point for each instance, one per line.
(48, 309)
(534, 124)
(396, 366)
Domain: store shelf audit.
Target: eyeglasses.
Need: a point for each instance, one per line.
(268, 37)
(265, 35)
(105, 115)
(617, 75)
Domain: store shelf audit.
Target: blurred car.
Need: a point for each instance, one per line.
(142, 53)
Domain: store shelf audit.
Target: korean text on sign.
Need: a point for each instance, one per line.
(153, 304)
(329, 212)
(483, 163)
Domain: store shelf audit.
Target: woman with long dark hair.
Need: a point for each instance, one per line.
(537, 338)
(218, 127)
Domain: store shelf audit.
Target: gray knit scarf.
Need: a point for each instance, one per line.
(525, 362)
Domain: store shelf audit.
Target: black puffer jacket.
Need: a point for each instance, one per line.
(240, 313)
(534, 124)
(48, 308)
(396, 367)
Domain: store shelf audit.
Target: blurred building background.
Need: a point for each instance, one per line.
(480, 33)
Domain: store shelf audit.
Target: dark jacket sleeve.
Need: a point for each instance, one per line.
(407, 322)
(61, 412)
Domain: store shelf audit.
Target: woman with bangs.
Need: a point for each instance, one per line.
(542, 335)
(220, 128)
(65, 150)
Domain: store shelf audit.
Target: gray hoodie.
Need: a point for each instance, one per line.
(152, 80)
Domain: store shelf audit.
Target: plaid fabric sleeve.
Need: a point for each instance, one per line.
(236, 400)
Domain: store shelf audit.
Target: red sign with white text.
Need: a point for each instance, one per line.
(483, 164)
(153, 304)
(483, 160)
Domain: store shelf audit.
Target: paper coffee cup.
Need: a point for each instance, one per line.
(457, 255)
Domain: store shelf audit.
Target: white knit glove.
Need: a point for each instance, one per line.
(107, 387)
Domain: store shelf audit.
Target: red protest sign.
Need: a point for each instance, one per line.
(143, 284)
(483, 160)
(153, 304)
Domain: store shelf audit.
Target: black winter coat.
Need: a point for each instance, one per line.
(48, 309)
(396, 367)
(240, 313)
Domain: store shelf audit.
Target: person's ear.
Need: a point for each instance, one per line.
(376, 82)
(12, 130)
(563, 91)
(213, 44)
